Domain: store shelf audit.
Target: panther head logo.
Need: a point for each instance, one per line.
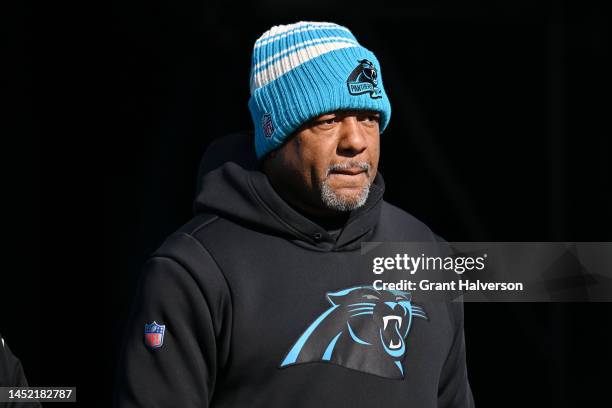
(368, 72)
(364, 329)
(364, 79)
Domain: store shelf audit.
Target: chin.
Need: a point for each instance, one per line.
(342, 200)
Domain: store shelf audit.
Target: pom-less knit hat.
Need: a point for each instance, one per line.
(307, 69)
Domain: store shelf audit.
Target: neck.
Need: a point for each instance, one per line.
(325, 217)
(328, 223)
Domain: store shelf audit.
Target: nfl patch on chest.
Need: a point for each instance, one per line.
(154, 335)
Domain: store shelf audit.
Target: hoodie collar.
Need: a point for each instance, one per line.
(359, 223)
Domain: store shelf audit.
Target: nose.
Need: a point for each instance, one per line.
(353, 138)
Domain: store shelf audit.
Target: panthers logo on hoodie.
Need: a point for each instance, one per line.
(364, 329)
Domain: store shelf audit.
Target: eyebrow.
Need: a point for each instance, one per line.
(314, 121)
(349, 113)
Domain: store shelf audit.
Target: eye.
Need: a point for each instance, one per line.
(399, 298)
(370, 118)
(370, 297)
(325, 123)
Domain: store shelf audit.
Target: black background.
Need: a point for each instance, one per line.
(500, 132)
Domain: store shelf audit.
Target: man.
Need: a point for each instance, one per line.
(12, 375)
(259, 301)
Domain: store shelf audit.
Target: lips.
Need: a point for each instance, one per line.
(349, 172)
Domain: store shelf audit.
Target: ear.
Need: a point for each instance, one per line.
(273, 154)
(269, 163)
(365, 293)
(407, 296)
(337, 298)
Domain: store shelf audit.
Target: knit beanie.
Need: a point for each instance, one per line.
(307, 69)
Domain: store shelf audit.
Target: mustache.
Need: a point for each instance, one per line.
(349, 165)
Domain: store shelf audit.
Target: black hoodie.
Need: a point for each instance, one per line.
(251, 304)
(12, 375)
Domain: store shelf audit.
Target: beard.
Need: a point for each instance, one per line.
(344, 202)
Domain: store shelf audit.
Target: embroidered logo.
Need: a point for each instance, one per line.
(267, 125)
(154, 335)
(364, 329)
(364, 79)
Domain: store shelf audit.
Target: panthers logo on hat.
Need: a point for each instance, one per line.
(364, 79)
(364, 329)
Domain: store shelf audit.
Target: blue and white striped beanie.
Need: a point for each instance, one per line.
(307, 69)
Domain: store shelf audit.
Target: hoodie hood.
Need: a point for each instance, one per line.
(231, 185)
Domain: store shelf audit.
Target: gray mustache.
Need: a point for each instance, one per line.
(348, 165)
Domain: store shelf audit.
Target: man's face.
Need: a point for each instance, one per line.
(330, 162)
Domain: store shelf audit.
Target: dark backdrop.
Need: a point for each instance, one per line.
(500, 131)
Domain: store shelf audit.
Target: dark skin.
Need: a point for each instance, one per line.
(297, 168)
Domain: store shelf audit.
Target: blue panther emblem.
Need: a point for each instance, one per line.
(364, 329)
(364, 79)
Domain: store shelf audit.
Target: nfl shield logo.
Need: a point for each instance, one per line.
(267, 125)
(154, 335)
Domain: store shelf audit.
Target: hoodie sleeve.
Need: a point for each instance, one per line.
(12, 375)
(182, 297)
(454, 388)
(11, 372)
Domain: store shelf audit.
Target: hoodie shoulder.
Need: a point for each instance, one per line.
(189, 254)
(183, 243)
(199, 221)
(398, 225)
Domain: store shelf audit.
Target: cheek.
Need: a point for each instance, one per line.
(374, 147)
(316, 157)
(300, 174)
(297, 166)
